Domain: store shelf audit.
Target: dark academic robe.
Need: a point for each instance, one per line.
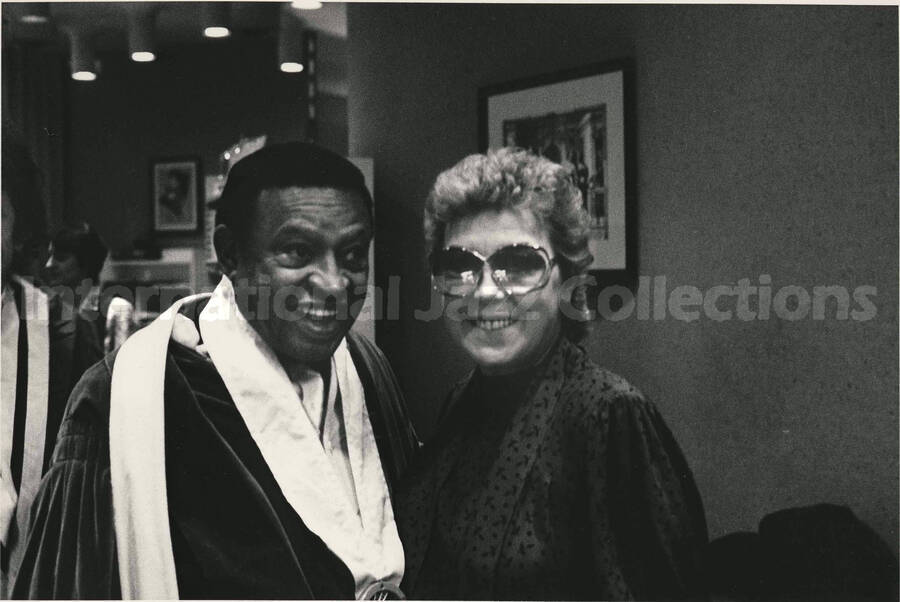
(560, 484)
(73, 348)
(234, 535)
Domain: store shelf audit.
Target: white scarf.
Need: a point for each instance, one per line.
(367, 543)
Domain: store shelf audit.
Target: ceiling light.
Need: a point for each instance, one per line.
(141, 44)
(306, 4)
(35, 12)
(290, 44)
(216, 32)
(215, 20)
(291, 66)
(81, 59)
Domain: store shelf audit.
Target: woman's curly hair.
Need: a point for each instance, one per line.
(510, 178)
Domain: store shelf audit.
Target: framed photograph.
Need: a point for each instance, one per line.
(580, 119)
(175, 195)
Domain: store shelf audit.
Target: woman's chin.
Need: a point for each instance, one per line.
(494, 360)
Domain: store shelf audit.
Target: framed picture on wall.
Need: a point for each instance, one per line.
(175, 195)
(581, 119)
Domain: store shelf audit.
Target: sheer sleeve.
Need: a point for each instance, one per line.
(646, 513)
(70, 549)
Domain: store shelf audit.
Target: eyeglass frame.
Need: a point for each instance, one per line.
(485, 261)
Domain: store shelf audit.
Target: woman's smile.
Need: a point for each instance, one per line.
(491, 324)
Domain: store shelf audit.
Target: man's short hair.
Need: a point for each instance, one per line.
(85, 244)
(286, 165)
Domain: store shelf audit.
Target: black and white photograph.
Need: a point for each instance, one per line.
(577, 119)
(576, 139)
(175, 200)
(319, 300)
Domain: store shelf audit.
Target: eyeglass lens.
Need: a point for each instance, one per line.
(517, 269)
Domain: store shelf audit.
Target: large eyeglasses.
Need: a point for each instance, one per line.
(515, 269)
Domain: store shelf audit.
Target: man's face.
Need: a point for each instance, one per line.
(304, 269)
(62, 269)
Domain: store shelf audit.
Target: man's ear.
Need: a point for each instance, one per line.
(226, 249)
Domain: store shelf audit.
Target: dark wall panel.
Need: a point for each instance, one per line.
(766, 145)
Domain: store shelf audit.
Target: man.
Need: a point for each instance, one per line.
(46, 348)
(72, 271)
(281, 431)
(76, 254)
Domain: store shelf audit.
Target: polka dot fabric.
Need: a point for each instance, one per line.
(561, 484)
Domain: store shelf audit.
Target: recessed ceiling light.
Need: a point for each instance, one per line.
(143, 56)
(291, 67)
(215, 19)
(306, 4)
(216, 32)
(84, 76)
(35, 12)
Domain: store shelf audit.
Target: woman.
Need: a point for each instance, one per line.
(549, 478)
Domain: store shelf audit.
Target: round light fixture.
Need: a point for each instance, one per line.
(82, 63)
(290, 43)
(141, 42)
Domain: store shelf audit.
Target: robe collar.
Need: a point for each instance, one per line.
(367, 543)
(289, 442)
(32, 389)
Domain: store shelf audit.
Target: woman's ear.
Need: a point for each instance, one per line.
(226, 249)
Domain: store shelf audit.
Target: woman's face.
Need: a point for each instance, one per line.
(503, 333)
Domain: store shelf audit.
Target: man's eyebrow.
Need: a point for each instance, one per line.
(307, 229)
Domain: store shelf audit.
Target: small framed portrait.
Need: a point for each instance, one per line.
(175, 195)
(581, 119)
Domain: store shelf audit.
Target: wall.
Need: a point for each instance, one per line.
(195, 100)
(34, 111)
(766, 144)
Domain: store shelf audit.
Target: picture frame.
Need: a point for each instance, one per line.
(175, 195)
(582, 118)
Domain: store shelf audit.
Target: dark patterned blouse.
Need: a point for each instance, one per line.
(563, 483)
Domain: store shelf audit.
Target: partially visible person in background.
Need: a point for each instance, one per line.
(45, 349)
(73, 270)
(549, 478)
(76, 254)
